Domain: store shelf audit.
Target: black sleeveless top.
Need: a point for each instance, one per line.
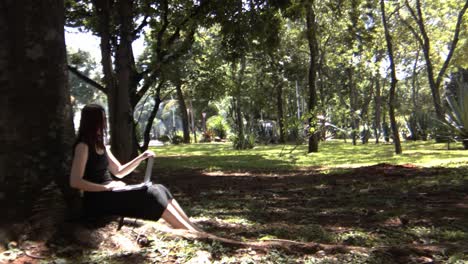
(96, 167)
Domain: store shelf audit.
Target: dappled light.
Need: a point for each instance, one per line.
(383, 206)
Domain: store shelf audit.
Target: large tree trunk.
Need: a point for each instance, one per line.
(312, 42)
(36, 129)
(122, 128)
(391, 103)
(119, 83)
(183, 110)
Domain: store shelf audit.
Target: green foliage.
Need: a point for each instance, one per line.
(245, 142)
(218, 125)
(164, 138)
(207, 136)
(295, 129)
(457, 99)
(419, 125)
(82, 92)
(176, 139)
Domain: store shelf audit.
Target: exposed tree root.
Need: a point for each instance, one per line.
(266, 245)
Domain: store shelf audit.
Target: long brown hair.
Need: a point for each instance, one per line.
(93, 126)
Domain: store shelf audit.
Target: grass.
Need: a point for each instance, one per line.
(332, 154)
(398, 214)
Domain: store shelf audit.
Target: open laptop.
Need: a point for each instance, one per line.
(146, 182)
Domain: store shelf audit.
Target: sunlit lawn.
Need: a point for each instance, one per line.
(332, 154)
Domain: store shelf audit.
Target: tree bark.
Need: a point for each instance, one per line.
(353, 106)
(238, 76)
(378, 111)
(36, 129)
(311, 26)
(149, 123)
(279, 102)
(119, 80)
(183, 110)
(122, 127)
(394, 80)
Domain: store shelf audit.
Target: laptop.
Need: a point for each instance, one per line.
(146, 182)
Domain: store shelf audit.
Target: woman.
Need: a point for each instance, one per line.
(92, 162)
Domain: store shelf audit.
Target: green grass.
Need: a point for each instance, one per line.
(332, 154)
(384, 209)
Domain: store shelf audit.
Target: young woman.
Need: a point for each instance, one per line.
(92, 162)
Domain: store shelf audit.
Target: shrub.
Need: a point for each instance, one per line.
(218, 126)
(176, 139)
(164, 138)
(245, 142)
(457, 99)
(207, 136)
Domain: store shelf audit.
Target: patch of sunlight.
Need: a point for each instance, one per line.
(238, 221)
(332, 154)
(356, 238)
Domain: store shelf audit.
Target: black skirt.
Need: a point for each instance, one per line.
(148, 203)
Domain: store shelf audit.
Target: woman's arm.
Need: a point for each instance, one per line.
(119, 170)
(77, 172)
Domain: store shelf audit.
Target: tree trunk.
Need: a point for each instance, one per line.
(119, 83)
(279, 101)
(149, 122)
(378, 111)
(35, 109)
(424, 41)
(353, 106)
(183, 110)
(391, 103)
(414, 89)
(122, 128)
(312, 42)
(237, 97)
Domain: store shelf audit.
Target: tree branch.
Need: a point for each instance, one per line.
(143, 24)
(148, 83)
(453, 45)
(411, 28)
(163, 28)
(87, 79)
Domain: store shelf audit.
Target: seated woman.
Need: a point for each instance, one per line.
(92, 162)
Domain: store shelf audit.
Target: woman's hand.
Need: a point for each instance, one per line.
(114, 184)
(148, 153)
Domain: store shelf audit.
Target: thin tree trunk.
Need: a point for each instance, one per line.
(353, 106)
(424, 41)
(279, 103)
(150, 121)
(238, 111)
(312, 42)
(183, 110)
(391, 103)
(414, 90)
(378, 111)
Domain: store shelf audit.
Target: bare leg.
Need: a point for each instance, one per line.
(172, 216)
(182, 213)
